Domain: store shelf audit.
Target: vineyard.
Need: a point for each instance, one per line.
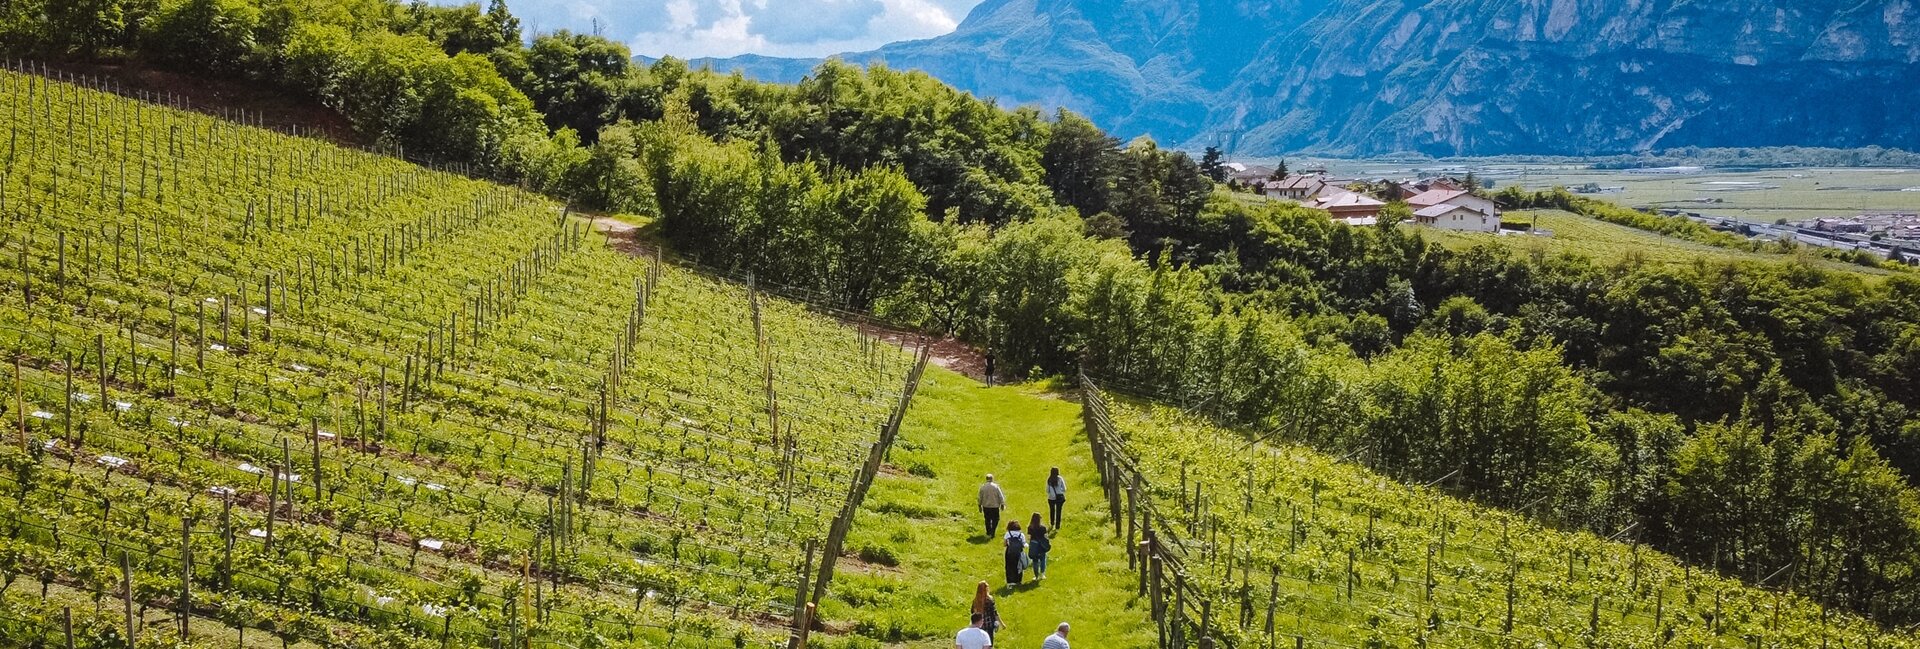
(1268, 545)
(266, 391)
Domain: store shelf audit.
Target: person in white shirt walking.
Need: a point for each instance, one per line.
(1056, 498)
(992, 500)
(972, 637)
(1058, 640)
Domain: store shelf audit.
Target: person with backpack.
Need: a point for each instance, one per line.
(1039, 543)
(1016, 546)
(1056, 497)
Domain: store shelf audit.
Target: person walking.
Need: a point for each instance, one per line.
(992, 500)
(989, 369)
(1058, 640)
(1056, 497)
(1039, 543)
(973, 637)
(985, 614)
(1016, 545)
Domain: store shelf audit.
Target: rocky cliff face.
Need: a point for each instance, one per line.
(1444, 77)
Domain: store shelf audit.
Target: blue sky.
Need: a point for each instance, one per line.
(696, 28)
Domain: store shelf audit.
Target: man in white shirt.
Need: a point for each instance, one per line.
(992, 500)
(1058, 640)
(973, 637)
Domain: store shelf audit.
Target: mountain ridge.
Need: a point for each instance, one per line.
(1439, 77)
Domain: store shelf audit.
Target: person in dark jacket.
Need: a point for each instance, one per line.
(1015, 543)
(1039, 543)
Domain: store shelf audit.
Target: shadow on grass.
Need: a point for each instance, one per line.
(1019, 588)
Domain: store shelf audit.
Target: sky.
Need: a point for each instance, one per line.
(723, 28)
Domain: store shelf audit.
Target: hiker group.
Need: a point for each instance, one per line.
(1024, 549)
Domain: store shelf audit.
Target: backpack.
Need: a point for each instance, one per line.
(1042, 544)
(1016, 543)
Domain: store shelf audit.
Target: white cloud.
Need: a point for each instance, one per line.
(721, 28)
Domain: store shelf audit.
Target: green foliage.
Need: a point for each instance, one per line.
(215, 36)
(1212, 165)
(1356, 559)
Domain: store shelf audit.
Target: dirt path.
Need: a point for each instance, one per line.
(947, 352)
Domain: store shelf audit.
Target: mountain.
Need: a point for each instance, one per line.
(1441, 77)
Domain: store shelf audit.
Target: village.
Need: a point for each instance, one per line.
(1443, 203)
(1450, 203)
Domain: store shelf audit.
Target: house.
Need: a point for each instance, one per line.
(1849, 226)
(1293, 187)
(1350, 208)
(1249, 174)
(1456, 217)
(1454, 197)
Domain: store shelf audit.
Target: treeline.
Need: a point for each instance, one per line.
(464, 84)
(1788, 156)
(1759, 418)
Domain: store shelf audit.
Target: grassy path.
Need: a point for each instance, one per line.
(922, 519)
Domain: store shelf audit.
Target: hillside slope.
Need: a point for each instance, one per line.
(1272, 544)
(270, 389)
(1443, 77)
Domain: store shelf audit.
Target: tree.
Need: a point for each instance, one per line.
(577, 80)
(1211, 166)
(506, 27)
(211, 35)
(1081, 163)
(1721, 496)
(1458, 317)
(85, 28)
(876, 245)
(1280, 171)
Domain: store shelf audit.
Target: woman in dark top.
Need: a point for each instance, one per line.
(1039, 543)
(983, 605)
(1016, 546)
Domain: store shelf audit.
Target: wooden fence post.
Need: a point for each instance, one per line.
(126, 588)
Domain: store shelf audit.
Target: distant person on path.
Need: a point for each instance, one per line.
(1058, 640)
(1056, 497)
(1016, 544)
(1039, 543)
(989, 369)
(992, 500)
(973, 637)
(985, 614)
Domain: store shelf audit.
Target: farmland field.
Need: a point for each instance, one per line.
(1755, 195)
(1606, 243)
(1277, 545)
(264, 391)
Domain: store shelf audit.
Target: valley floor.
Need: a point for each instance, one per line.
(959, 430)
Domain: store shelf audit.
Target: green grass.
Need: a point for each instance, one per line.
(1608, 243)
(961, 431)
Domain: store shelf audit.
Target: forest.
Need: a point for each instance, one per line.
(1756, 418)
